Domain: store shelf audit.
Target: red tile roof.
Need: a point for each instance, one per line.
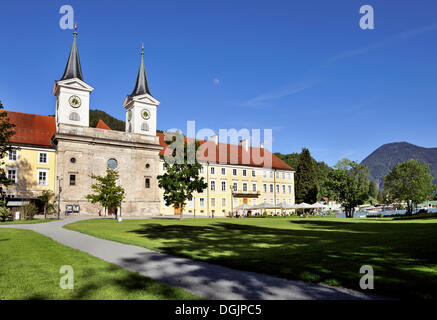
(32, 129)
(232, 154)
(102, 125)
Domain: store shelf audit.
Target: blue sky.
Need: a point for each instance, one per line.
(302, 68)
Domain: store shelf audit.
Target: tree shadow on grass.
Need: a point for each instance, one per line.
(320, 251)
(91, 284)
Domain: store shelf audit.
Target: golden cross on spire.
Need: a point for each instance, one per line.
(75, 29)
(142, 49)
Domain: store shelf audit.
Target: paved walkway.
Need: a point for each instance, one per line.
(203, 279)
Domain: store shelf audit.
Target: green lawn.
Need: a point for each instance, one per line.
(34, 221)
(329, 250)
(30, 265)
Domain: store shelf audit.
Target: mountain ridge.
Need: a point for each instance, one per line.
(382, 160)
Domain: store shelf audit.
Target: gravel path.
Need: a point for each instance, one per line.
(203, 279)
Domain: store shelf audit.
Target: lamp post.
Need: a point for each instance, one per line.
(59, 195)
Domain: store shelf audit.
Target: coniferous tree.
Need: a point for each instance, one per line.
(306, 180)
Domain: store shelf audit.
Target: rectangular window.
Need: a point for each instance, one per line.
(244, 187)
(253, 173)
(147, 183)
(223, 202)
(271, 187)
(234, 172)
(164, 168)
(223, 185)
(277, 175)
(244, 173)
(289, 188)
(277, 188)
(42, 177)
(202, 202)
(202, 170)
(213, 202)
(12, 174)
(264, 174)
(289, 176)
(283, 188)
(212, 185)
(271, 201)
(190, 203)
(235, 202)
(264, 187)
(254, 187)
(235, 185)
(212, 170)
(223, 171)
(72, 179)
(42, 157)
(12, 155)
(283, 175)
(271, 174)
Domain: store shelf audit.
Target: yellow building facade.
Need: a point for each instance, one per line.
(32, 170)
(230, 186)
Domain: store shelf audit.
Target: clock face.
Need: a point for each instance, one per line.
(75, 101)
(129, 115)
(145, 114)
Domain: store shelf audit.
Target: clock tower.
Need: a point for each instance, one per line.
(140, 105)
(72, 93)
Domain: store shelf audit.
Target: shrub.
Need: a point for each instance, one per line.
(28, 211)
(5, 214)
(265, 214)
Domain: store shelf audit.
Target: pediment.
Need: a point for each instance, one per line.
(144, 98)
(73, 83)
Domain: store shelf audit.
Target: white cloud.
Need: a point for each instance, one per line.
(263, 100)
(216, 81)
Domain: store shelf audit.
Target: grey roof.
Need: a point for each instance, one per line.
(141, 86)
(73, 68)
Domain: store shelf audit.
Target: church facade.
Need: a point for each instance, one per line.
(75, 151)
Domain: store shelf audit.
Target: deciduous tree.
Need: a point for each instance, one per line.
(106, 191)
(6, 132)
(409, 181)
(181, 178)
(349, 182)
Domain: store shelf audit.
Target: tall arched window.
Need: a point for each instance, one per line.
(74, 116)
(145, 126)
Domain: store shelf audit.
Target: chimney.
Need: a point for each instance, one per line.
(214, 138)
(245, 144)
(261, 145)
